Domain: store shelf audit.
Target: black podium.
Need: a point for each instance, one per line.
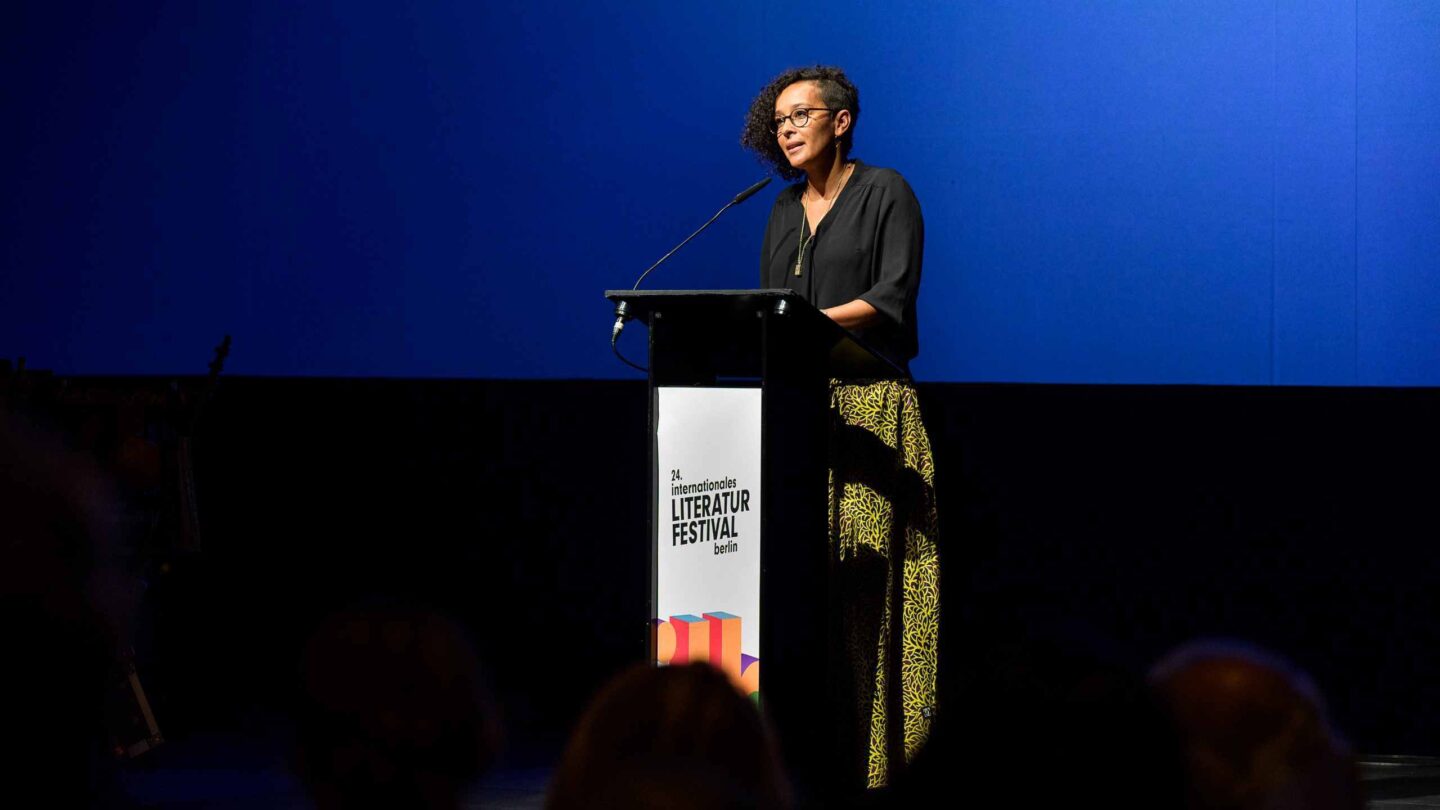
(783, 352)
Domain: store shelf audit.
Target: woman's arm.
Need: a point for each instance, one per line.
(854, 315)
(899, 244)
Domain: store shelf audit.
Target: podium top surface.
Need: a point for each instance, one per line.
(848, 355)
(643, 302)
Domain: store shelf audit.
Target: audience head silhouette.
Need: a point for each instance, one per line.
(1254, 731)
(392, 711)
(674, 737)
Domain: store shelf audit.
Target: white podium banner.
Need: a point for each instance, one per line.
(707, 542)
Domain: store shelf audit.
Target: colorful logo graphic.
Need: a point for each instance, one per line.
(712, 637)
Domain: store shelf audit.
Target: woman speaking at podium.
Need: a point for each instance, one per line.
(849, 238)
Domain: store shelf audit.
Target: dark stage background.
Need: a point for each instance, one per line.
(1123, 518)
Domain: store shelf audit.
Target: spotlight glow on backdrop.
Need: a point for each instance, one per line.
(1211, 192)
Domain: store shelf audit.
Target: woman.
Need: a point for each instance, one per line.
(849, 238)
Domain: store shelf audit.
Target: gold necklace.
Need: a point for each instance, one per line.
(805, 219)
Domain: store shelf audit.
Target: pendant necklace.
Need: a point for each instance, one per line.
(805, 220)
(800, 257)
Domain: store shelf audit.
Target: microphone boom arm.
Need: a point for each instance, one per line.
(621, 311)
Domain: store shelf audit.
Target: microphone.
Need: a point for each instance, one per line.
(749, 192)
(739, 198)
(622, 310)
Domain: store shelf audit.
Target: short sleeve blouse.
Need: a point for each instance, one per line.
(869, 246)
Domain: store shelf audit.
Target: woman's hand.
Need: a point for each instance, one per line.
(854, 315)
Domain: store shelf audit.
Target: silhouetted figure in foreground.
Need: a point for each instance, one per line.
(62, 606)
(392, 712)
(670, 737)
(1254, 732)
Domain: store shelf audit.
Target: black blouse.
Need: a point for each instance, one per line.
(868, 246)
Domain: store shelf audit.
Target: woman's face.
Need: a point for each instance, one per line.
(812, 145)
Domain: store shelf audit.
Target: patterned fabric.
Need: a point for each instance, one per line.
(883, 526)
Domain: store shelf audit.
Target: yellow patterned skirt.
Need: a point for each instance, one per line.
(883, 526)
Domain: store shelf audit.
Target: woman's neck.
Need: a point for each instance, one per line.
(820, 179)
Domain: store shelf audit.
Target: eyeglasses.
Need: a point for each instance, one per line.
(799, 117)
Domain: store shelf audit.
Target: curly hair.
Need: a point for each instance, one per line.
(759, 133)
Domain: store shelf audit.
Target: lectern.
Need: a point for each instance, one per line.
(741, 563)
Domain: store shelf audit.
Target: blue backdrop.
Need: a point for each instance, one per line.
(1137, 192)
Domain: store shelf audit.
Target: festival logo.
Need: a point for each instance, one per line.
(711, 637)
